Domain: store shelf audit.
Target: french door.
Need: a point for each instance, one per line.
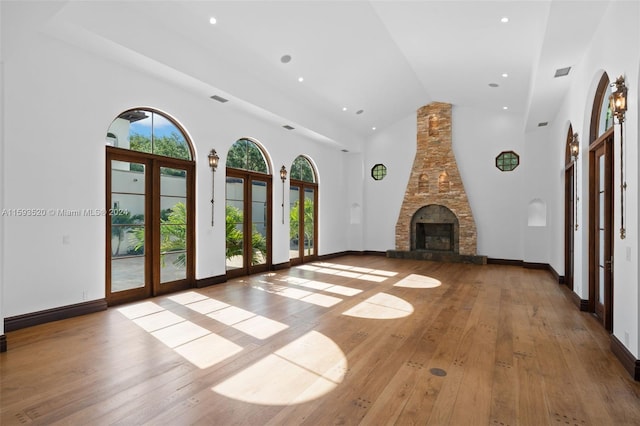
(150, 246)
(601, 229)
(570, 221)
(248, 222)
(303, 201)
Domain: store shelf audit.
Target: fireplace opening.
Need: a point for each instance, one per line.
(435, 228)
(434, 236)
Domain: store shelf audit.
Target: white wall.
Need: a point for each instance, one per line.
(395, 147)
(60, 101)
(2, 181)
(615, 53)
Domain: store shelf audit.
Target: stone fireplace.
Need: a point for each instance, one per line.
(435, 221)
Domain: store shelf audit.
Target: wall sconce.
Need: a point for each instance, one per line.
(213, 163)
(574, 149)
(618, 101)
(283, 177)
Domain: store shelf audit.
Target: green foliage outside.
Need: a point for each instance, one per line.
(294, 223)
(246, 155)
(121, 225)
(301, 170)
(235, 244)
(172, 145)
(173, 235)
(173, 230)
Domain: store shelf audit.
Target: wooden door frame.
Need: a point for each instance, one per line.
(606, 140)
(248, 176)
(152, 286)
(301, 256)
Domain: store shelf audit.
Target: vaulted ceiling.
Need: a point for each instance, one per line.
(364, 64)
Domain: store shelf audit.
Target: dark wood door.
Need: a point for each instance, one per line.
(601, 229)
(570, 224)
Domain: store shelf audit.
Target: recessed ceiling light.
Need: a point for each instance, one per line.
(505, 107)
(285, 59)
(344, 108)
(360, 111)
(300, 79)
(373, 128)
(504, 20)
(493, 84)
(213, 20)
(505, 75)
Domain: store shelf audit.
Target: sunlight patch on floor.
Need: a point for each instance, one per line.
(208, 350)
(305, 369)
(418, 281)
(357, 272)
(140, 309)
(381, 306)
(260, 327)
(299, 294)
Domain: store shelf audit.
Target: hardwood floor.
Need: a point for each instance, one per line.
(354, 340)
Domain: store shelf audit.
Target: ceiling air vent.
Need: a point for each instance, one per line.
(344, 150)
(543, 123)
(219, 99)
(561, 72)
(286, 126)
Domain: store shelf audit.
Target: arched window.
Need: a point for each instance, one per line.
(301, 169)
(601, 115)
(248, 209)
(303, 211)
(146, 130)
(150, 206)
(247, 155)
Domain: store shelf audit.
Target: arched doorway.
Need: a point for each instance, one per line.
(601, 206)
(150, 207)
(303, 212)
(248, 209)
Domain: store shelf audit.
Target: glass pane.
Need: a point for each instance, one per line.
(294, 222)
(601, 172)
(601, 259)
(301, 170)
(140, 125)
(606, 117)
(601, 285)
(234, 223)
(150, 132)
(258, 222)
(309, 229)
(173, 224)
(601, 210)
(244, 154)
(168, 140)
(127, 226)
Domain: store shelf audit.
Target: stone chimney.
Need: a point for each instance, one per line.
(435, 197)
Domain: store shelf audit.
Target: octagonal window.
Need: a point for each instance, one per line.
(506, 161)
(379, 171)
